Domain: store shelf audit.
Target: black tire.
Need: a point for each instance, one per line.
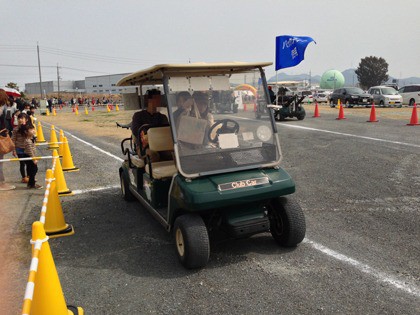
(411, 103)
(191, 241)
(287, 221)
(125, 190)
(381, 104)
(301, 115)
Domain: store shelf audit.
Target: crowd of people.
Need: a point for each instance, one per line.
(17, 120)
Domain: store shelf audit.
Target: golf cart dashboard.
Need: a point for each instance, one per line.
(211, 159)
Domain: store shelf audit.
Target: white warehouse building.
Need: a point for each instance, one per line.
(107, 84)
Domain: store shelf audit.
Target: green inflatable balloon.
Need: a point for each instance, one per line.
(332, 79)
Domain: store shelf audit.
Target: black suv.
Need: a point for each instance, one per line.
(350, 96)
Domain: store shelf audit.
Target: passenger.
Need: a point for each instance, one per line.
(149, 116)
(3, 102)
(184, 103)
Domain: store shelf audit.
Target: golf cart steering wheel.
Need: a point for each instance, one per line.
(227, 126)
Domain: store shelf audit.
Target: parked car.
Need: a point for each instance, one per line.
(321, 97)
(385, 96)
(410, 94)
(350, 96)
(308, 96)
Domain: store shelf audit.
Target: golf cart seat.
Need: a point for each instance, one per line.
(137, 161)
(160, 139)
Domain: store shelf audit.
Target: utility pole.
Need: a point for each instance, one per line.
(58, 82)
(39, 69)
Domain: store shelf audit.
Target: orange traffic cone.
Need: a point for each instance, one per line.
(73, 110)
(48, 297)
(53, 139)
(55, 225)
(341, 113)
(40, 134)
(316, 114)
(373, 114)
(62, 188)
(93, 108)
(68, 165)
(414, 121)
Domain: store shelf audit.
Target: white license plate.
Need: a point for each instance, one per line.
(365, 100)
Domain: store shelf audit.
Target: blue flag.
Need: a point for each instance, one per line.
(290, 50)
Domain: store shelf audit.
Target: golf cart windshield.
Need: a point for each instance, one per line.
(214, 125)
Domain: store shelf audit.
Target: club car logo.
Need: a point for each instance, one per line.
(243, 183)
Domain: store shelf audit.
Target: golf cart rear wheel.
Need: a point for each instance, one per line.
(287, 221)
(125, 190)
(191, 241)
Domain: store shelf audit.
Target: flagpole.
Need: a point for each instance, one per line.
(277, 88)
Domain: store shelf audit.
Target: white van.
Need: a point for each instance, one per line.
(410, 94)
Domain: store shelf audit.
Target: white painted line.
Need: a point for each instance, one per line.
(93, 146)
(97, 148)
(84, 191)
(350, 135)
(336, 133)
(402, 285)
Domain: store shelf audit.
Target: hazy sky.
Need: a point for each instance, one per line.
(88, 38)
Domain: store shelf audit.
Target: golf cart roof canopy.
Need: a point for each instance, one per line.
(154, 74)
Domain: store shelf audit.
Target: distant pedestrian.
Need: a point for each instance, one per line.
(8, 112)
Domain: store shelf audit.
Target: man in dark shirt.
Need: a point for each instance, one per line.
(149, 116)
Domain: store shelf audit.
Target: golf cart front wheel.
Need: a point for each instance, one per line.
(287, 221)
(191, 241)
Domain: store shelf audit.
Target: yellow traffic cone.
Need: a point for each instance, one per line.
(54, 112)
(47, 112)
(77, 111)
(55, 226)
(107, 108)
(40, 134)
(60, 145)
(68, 165)
(59, 178)
(86, 111)
(48, 298)
(117, 108)
(53, 139)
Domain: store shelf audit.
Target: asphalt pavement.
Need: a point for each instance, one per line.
(357, 182)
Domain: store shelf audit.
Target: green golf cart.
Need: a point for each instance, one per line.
(215, 173)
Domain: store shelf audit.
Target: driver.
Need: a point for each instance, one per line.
(202, 110)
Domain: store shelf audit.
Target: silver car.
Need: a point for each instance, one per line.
(385, 96)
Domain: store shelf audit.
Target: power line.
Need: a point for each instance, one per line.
(69, 68)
